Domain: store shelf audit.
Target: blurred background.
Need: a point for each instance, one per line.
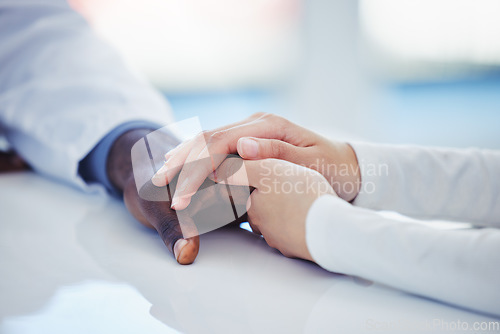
(397, 71)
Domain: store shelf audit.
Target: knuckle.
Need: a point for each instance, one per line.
(268, 117)
(217, 136)
(277, 149)
(281, 123)
(202, 136)
(168, 229)
(258, 114)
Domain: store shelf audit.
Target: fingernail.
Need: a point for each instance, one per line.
(175, 201)
(180, 203)
(178, 246)
(249, 147)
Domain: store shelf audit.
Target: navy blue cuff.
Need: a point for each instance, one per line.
(93, 169)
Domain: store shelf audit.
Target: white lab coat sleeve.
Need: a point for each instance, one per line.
(435, 183)
(62, 88)
(461, 267)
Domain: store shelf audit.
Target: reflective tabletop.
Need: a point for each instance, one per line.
(78, 263)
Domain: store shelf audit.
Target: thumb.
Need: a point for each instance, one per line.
(177, 234)
(258, 148)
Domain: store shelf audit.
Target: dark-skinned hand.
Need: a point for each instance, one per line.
(156, 213)
(153, 214)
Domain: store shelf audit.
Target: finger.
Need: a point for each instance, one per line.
(197, 166)
(239, 172)
(173, 164)
(267, 126)
(204, 199)
(221, 143)
(191, 176)
(159, 216)
(258, 148)
(173, 233)
(245, 121)
(176, 157)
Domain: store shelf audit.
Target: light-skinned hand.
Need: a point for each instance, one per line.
(278, 206)
(258, 137)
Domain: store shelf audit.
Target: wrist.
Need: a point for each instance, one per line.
(354, 174)
(344, 173)
(119, 161)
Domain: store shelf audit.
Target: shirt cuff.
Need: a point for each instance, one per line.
(93, 169)
(319, 236)
(374, 168)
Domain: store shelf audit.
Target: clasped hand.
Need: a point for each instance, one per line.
(287, 166)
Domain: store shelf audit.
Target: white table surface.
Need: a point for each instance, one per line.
(77, 263)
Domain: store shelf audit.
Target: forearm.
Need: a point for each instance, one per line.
(459, 185)
(63, 88)
(455, 266)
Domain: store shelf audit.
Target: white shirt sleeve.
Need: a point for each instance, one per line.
(460, 267)
(452, 184)
(62, 89)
